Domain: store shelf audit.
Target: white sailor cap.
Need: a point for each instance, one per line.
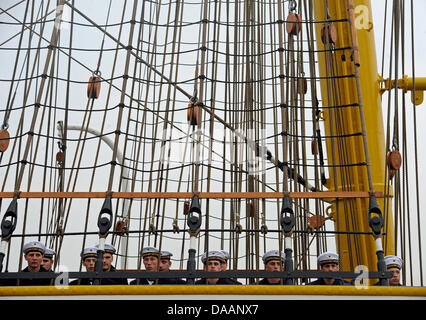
(328, 257)
(89, 252)
(213, 255)
(226, 254)
(166, 254)
(108, 248)
(150, 251)
(393, 262)
(272, 255)
(34, 246)
(49, 253)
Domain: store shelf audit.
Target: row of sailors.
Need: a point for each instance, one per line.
(40, 259)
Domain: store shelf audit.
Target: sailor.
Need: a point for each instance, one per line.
(89, 257)
(227, 257)
(151, 262)
(224, 266)
(394, 265)
(213, 262)
(33, 254)
(273, 261)
(88, 260)
(48, 260)
(165, 264)
(109, 251)
(165, 261)
(329, 262)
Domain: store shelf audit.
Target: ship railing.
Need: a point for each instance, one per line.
(198, 275)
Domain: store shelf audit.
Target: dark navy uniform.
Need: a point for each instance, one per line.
(166, 255)
(102, 281)
(144, 281)
(35, 282)
(220, 281)
(337, 282)
(27, 282)
(265, 281)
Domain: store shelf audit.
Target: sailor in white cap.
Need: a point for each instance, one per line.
(165, 260)
(33, 254)
(227, 257)
(88, 260)
(89, 257)
(273, 261)
(109, 251)
(150, 260)
(394, 265)
(165, 264)
(48, 260)
(224, 266)
(329, 262)
(213, 261)
(89, 254)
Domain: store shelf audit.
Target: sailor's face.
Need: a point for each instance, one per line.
(333, 267)
(89, 264)
(214, 266)
(34, 259)
(273, 265)
(47, 263)
(107, 261)
(165, 264)
(150, 263)
(394, 281)
(224, 266)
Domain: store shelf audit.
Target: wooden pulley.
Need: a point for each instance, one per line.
(186, 206)
(94, 87)
(329, 34)
(4, 140)
(120, 227)
(294, 23)
(316, 221)
(302, 85)
(392, 173)
(193, 114)
(59, 157)
(394, 160)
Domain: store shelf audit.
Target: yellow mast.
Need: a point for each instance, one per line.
(353, 216)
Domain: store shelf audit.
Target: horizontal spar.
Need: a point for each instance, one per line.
(187, 195)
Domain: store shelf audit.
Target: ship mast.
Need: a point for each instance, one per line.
(344, 123)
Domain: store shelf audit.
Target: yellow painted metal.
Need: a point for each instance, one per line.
(352, 215)
(415, 85)
(224, 290)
